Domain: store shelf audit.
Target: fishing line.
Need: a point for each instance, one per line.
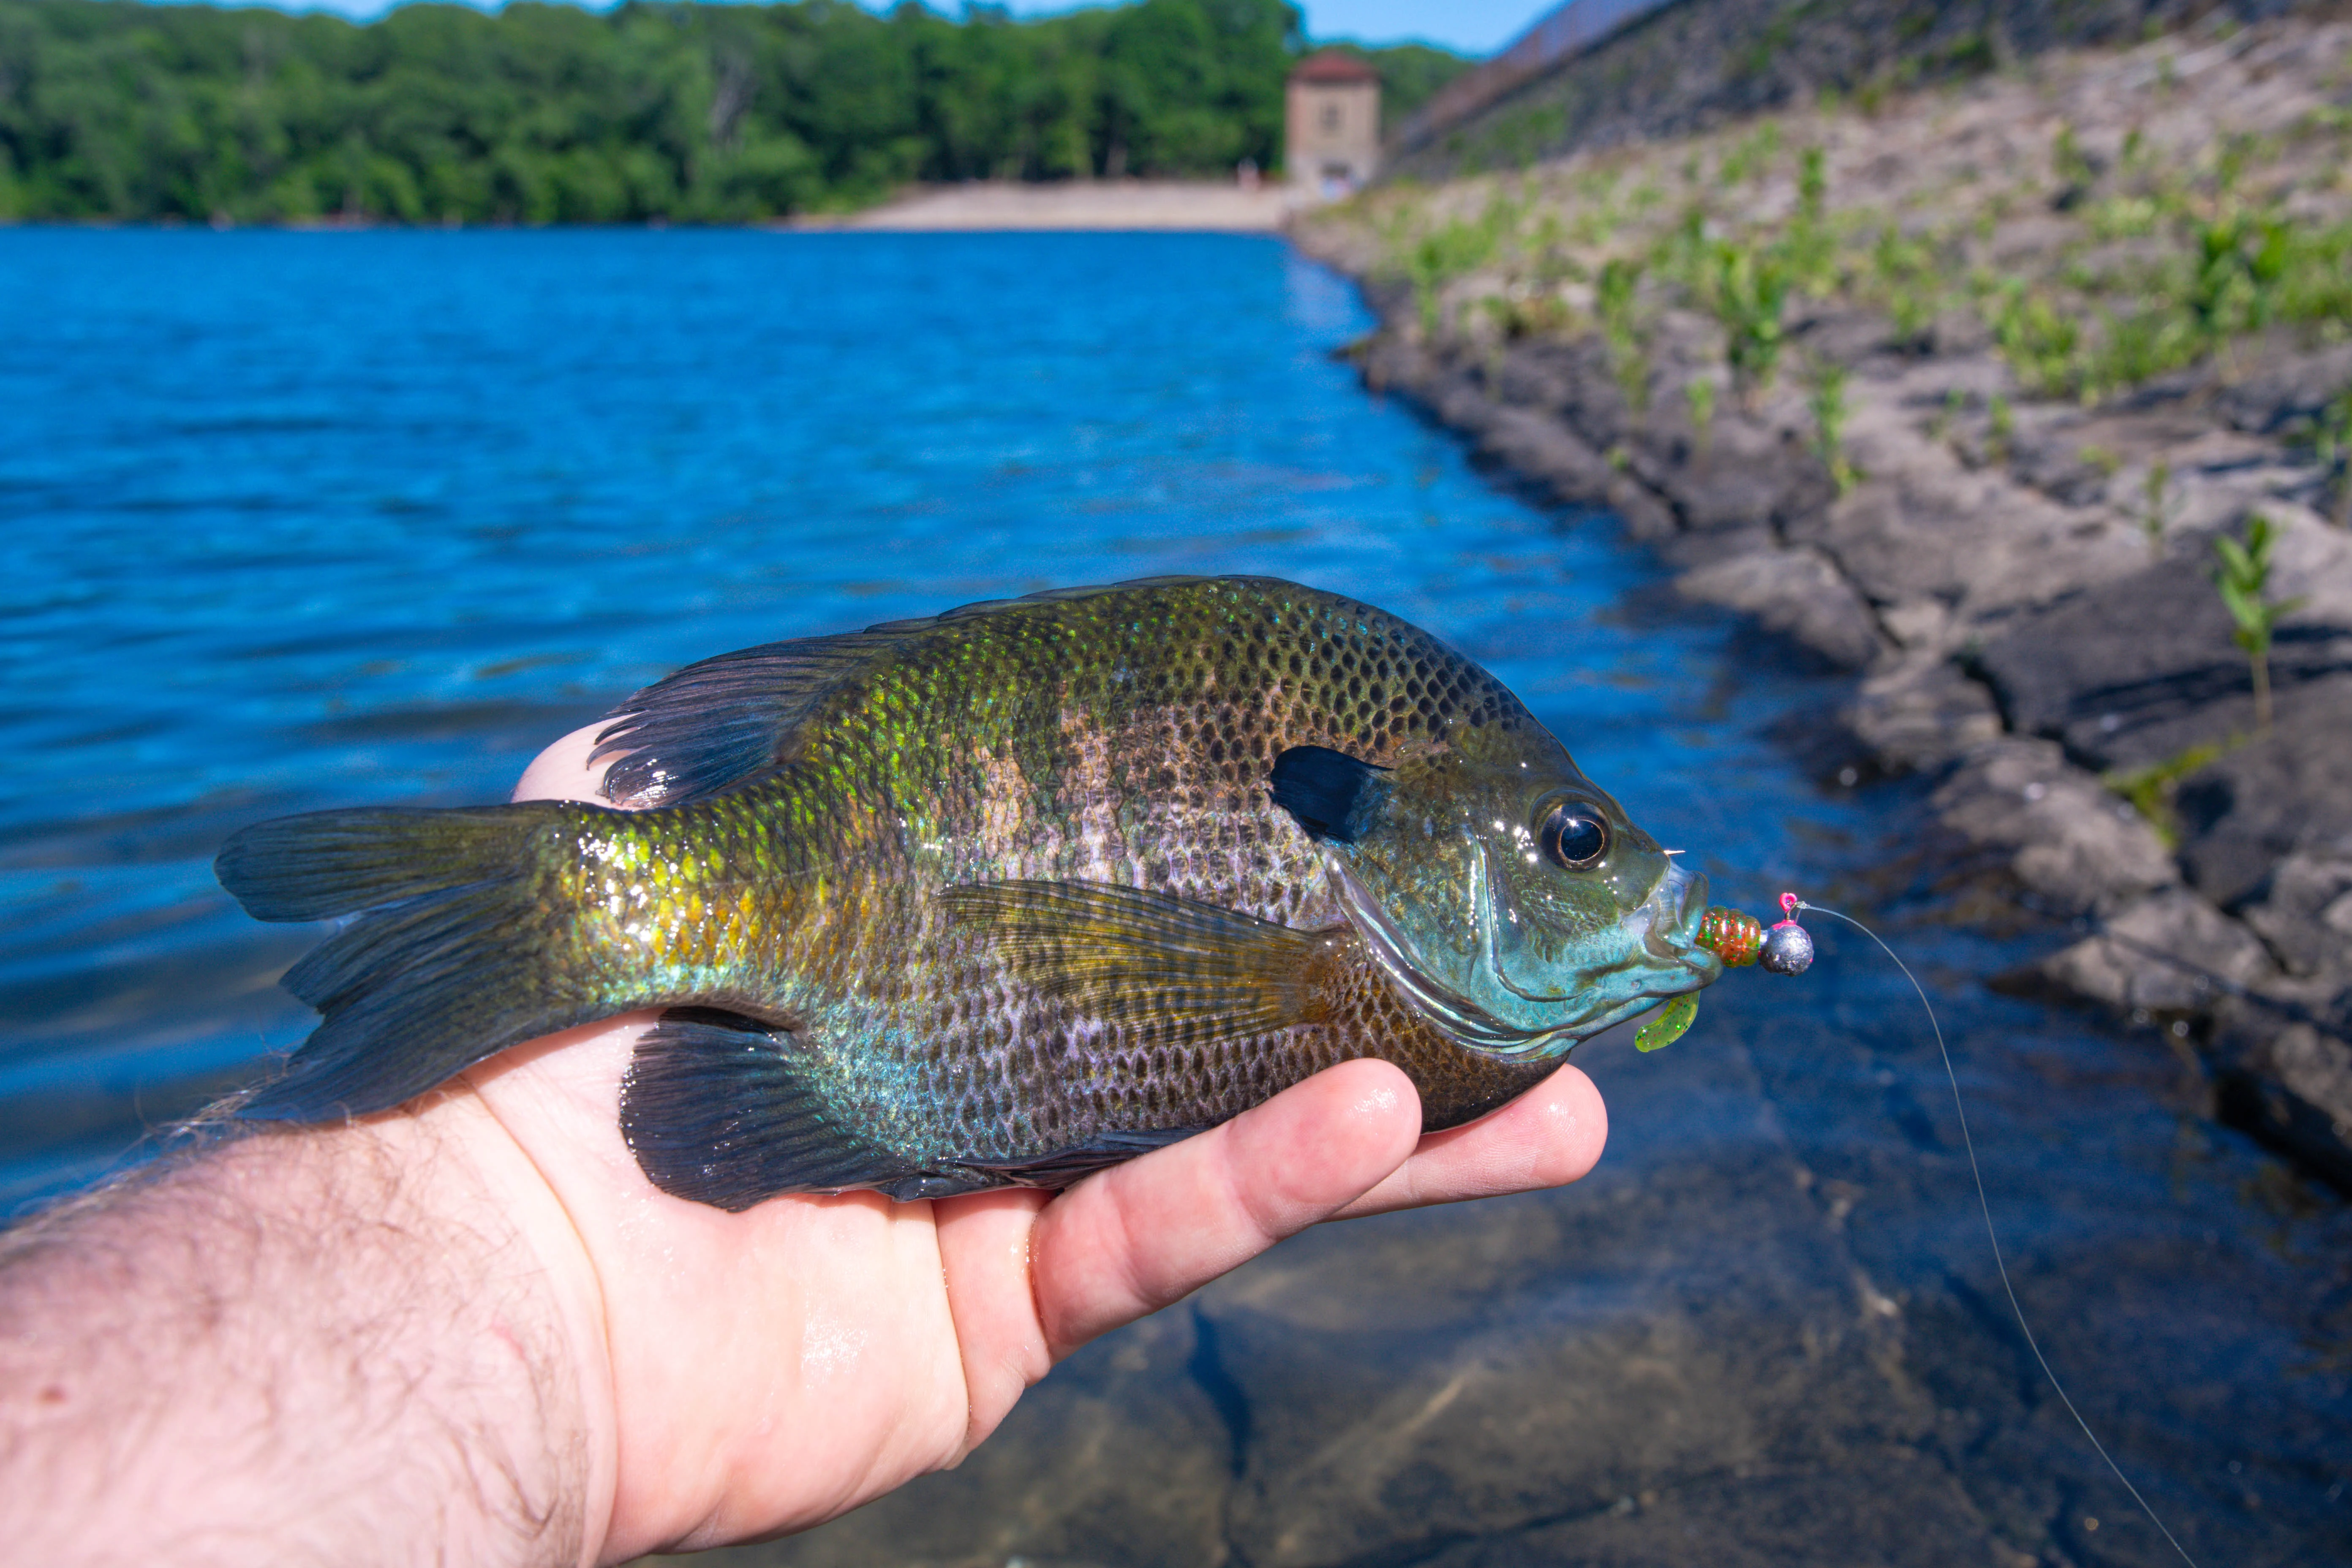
(1984, 1204)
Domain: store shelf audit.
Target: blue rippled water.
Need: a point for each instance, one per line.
(306, 520)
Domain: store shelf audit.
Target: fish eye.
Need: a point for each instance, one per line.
(1574, 836)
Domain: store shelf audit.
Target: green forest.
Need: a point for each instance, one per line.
(538, 113)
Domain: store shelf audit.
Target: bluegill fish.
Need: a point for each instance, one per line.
(1002, 896)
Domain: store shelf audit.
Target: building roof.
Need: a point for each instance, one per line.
(1332, 65)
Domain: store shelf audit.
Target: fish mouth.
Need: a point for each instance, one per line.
(1668, 951)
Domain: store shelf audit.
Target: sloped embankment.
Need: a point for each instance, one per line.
(1960, 390)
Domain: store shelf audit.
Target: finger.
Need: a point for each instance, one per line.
(1550, 1136)
(1134, 1239)
(562, 771)
(984, 1250)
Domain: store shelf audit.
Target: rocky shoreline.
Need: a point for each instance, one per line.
(2022, 589)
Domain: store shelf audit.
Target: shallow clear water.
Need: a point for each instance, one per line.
(302, 520)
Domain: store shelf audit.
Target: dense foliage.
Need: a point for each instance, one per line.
(550, 113)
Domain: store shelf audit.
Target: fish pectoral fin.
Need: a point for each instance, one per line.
(1065, 1166)
(716, 1112)
(1155, 963)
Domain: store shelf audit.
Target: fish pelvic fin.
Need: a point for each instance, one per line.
(443, 968)
(1167, 968)
(716, 1112)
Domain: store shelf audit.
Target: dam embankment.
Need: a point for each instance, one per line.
(1968, 391)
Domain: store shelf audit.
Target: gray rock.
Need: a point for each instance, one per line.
(1743, 475)
(2287, 388)
(1974, 540)
(1796, 593)
(2290, 791)
(2293, 1087)
(1924, 713)
(2307, 915)
(1546, 453)
(2068, 838)
(1401, 1413)
(2135, 671)
(2163, 954)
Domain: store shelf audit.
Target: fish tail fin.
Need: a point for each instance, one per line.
(444, 967)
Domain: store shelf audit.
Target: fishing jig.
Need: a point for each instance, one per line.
(1739, 940)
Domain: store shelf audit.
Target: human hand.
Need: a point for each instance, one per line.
(748, 1375)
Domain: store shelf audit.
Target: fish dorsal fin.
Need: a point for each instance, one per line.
(723, 721)
(727, 722)
(1167, 968)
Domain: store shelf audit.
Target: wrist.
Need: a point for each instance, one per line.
(488, 1182)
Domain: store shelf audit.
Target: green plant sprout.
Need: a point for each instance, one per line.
(1749, 289)
(2004, 428)
(1829, 412)
(2335, 455)
(1955, 403)
(1699, 392)
(1811, 252)
(1446, 253)
(2151, 789)
(1613, 294)
(2156, 507)
(2243, 576)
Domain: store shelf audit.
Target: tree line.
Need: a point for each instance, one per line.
(540, 113)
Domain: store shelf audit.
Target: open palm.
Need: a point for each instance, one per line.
(768, 1370)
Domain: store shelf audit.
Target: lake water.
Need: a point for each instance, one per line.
(308, 520)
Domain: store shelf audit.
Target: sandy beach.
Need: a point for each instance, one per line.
(1108, 205)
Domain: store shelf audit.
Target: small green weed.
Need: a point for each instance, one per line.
(2151, 789)
(1956, 402)
(1829, 411)
(2242, 575)
(1699, 393)
(2156, 507)
(1613, 296)
(1749, 290)
(2336, 454)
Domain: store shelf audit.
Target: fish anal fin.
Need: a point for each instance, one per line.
(1065, 1166)
(716, 1112)
(1156, 963)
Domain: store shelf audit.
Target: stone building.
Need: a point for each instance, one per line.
(1332, 143)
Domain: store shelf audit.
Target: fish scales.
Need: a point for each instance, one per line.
(1024, 744)
(1156, 942)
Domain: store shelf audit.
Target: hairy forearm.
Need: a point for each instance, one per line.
(339, 1346)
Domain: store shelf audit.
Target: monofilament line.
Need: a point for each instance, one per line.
(1984, 1204)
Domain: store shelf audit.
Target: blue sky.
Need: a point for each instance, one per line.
(1472, 27)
